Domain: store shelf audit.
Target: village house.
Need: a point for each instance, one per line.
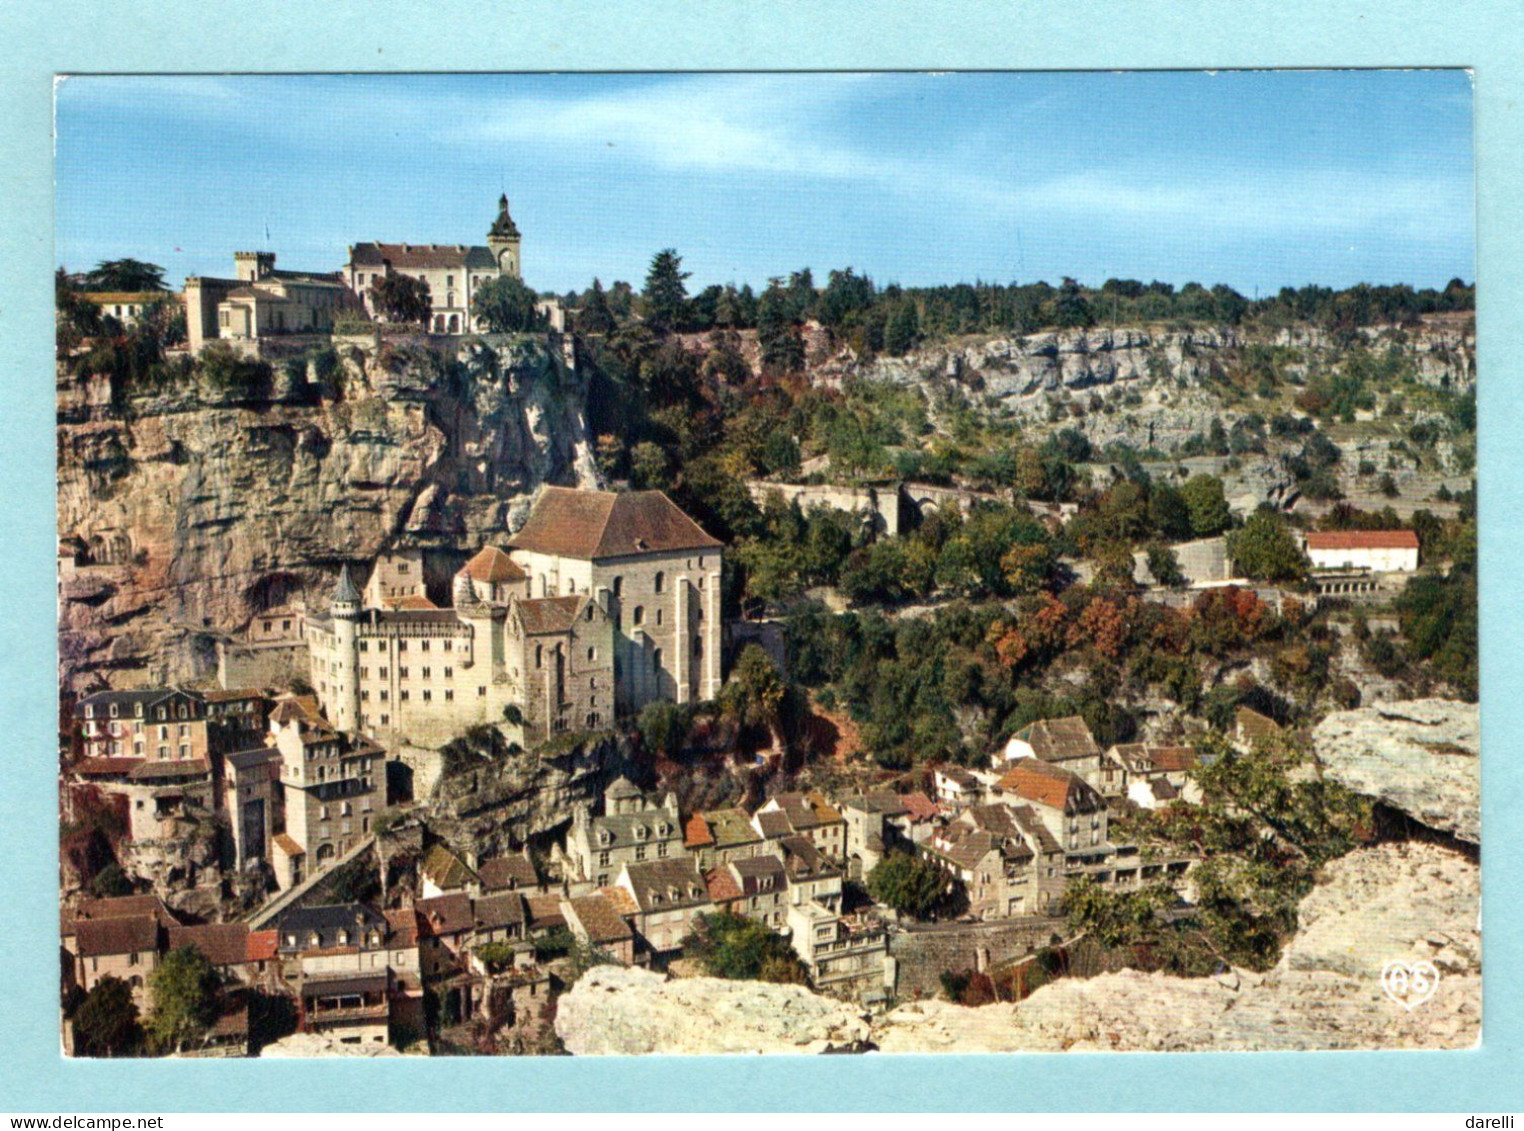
(809, 815)
(634, 828)
(120, 937)
(844, 954)
(956, 786)
(596, 920)
(811, 874)
(1380, 551)
(755, 887)
(513, 872)
(876, 824)
(1150, 775)
(336, 960)
(667, 896)
(332, 785)
(128, 307)
(720, 836)
(1065, 742)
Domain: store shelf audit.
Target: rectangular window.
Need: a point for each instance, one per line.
(449, 673)
(449, 696)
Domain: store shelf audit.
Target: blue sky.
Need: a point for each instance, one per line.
(1256, 179)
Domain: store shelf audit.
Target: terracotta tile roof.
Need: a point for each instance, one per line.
(1052, 786)
(592, 525)
(412, 602)
(599, 919)
(286, 844)
(173, 768)
(505, 909)
(223, 944)
(772, 824)
(722, 885)
(696, 832)
(1362, 540)
(446, 914)
(504, 873)
(803, 861)
(549, 614)
(1059, 740)
(261, 945)
(621, 900)
(920, 807)
(492, 565)
(123, 935)
(106, 767)
(404, 927)
(544, 912)
(123, 906)
(1173, 759)
(420, 257)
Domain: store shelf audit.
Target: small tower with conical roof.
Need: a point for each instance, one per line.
(503, 240)
(344, 608)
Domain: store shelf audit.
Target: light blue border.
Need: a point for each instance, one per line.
(41, 37)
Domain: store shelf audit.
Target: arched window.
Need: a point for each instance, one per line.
(660, 581)
(656, 659)
(619, 587)
(640, 615)
(592, 656)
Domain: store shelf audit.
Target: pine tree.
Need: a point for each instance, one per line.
(665, 294)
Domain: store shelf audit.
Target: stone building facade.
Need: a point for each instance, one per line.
(602, 603)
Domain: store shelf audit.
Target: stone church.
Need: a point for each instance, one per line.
(601, 603)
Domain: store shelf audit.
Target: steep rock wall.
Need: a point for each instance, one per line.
(197, 514)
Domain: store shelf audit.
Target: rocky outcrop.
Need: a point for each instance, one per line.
(503, 802)
(622, 1011)
(1392, 902)
(301, 1045)
(195, 513)
(1395, 902)
(1421, 757)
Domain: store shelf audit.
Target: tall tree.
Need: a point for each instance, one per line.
(506, 305)
(595, 317)
(782, 348)
(126, 275)
(106, 1022)
(1207, 504)
(666, 294)
(403, 299)
(186, 996)
(1266, 550)
(904, 329)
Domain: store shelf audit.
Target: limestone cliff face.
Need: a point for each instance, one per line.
(195, 514)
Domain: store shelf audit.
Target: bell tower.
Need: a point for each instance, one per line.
(503, 240)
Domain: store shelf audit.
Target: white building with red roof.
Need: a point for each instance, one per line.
(1381, 551)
